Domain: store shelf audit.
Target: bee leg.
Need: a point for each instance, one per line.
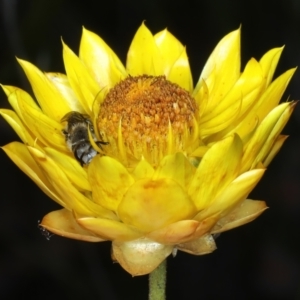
(100, 143)
(78, 158)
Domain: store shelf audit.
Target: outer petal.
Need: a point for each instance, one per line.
(174, 233)
(163, 201)
(243, 214)
(100, 60)
(222, 69)
(219, 166)
(169, 47)
(263, 105)
(109, 180)
(273, 94)
(141, 256)
(74, 200)
(259, 145)
(63, 86)
(20, 155)
(45, 129)
(143, 56)
(110, 229)
(51, 101)
(174, 58)
(82, 83)
(181, 72)
(76, 174)
(204, 227)
(14, 121)
(269, 63)
(275, 148)
(237, 105)
(62, 222)
(12, 94)
(233, 194)
(203, 245)
(272, 137)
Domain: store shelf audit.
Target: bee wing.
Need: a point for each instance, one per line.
(66, 117)
(75, 117)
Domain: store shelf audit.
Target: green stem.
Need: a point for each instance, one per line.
(157, 282)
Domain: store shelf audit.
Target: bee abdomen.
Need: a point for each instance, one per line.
(84, 152)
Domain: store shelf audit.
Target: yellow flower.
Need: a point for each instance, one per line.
(175, 164)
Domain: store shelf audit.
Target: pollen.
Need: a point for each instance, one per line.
(150, 115)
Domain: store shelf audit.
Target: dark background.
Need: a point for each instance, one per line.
(260, 260)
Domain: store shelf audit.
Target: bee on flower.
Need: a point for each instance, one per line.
(166, 164)
(77, 136)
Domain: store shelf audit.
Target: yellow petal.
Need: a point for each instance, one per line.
(269, 99)
(163, 201)
(169, 47)
(82, 83)
(261, 142)
(243, 126)
(20, 155)
(43, 127)
(219, 166)
(109, 180)
(109, 229)
(204, 227)
(203, 245)
(236, 105)
(181, 74)
(62, 222)
(175, 167)
(222, 68)
(174, 59)
(201, 96)
(76, 174)
(73, 199)
(13, 120)
(275, 148)
(269, 63)
(219, 122)
(175, 233)
(100, 60)
(272, 137)
(243, 214)
(248, 83)
(51, 101)
(143, 56)
(140, 257)
(13, 96)
(61, 82)
(273, 94)
(199, 152)
(233, 194)
(143, 170)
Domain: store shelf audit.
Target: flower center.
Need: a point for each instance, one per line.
(147, 115)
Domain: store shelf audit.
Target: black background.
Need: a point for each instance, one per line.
(260, 260)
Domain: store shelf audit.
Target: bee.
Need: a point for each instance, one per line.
(77, 136)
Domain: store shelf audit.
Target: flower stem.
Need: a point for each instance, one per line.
(157, 282)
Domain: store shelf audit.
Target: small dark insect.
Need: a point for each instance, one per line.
(47, 234)
(216, 235)
(77, 136)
